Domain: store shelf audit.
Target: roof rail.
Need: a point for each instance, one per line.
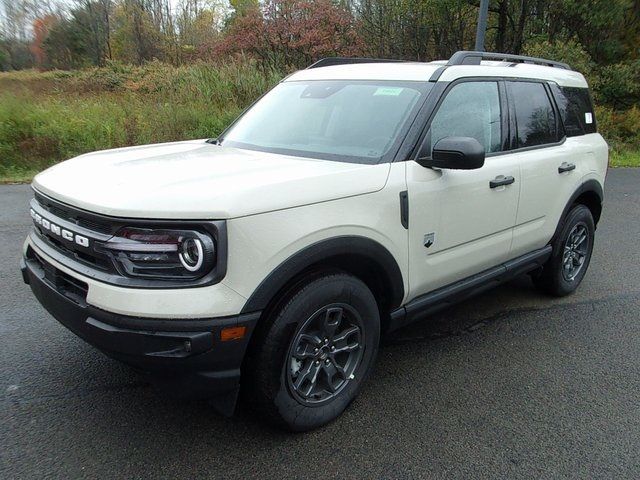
(474, 58)
(330, 61)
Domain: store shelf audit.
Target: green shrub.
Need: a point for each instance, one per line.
(46, 117)
(615, 88)
(619, 85)
(51, 116)
(570, 52)
(620, 128)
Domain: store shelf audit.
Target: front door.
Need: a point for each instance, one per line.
(460, 221)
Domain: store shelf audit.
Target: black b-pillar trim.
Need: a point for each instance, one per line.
(404, 209)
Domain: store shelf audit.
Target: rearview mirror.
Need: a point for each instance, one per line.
(456, 153)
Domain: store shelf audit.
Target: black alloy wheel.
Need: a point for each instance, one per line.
(576, 249)
(571, 254)
(312, 354)
(325, 353)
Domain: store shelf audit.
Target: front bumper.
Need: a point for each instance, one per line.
(186, 357)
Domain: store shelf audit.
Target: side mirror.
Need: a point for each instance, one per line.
(456, 153)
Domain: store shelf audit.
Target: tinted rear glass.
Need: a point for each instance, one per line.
(576, 110)
(535, 118)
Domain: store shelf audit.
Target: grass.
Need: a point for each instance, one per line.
(47, 117)
(625, 159)
(17, 175)
(52, 116)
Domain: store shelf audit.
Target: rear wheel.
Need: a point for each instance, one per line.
(571, 255)
(314, 353)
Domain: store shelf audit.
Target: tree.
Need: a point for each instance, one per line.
(19, 16)
(292, 33)
(93, 18)
(66, 45)
(136, 38)
(199, 21)
(4, 56)
(415, 29)
(81, 37)
(41, 27)
(243, 7)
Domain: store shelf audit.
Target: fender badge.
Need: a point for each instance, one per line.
(429, 239)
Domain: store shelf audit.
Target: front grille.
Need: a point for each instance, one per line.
(88, 258)
(74, 216)
(79, 235)
(79, 222)
(93, 225)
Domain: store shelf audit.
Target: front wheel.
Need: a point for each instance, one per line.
(571, 255)
(314, 353)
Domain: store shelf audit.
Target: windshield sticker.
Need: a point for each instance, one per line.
(588, 117)
(388, 91)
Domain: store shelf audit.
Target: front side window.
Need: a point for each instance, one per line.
(535, 117)
(470, 109)
(353, 121)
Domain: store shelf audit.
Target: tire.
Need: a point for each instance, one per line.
(555, 279)
(292, 369)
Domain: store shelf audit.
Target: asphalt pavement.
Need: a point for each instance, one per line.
(510, 384)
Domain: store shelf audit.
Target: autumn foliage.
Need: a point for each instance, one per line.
(41, 27)
(290, 33)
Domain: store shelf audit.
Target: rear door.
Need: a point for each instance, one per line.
(551, 165)
(458, 224)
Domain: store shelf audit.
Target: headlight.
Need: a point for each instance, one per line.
(161, 254)
(191, 254)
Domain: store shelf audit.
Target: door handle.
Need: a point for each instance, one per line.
(501, 180)
(566, 167)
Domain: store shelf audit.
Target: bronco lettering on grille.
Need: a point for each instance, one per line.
(58, 231)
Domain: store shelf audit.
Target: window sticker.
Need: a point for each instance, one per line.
(388, 91)
(588, 117)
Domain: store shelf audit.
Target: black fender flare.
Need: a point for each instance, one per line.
(590, 185)
(342, 247)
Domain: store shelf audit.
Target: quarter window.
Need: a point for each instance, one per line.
(535, 118)
(470, 109)
(576, 110)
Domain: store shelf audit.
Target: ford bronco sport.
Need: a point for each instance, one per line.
(356, 196)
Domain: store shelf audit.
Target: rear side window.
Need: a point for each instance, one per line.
(576, 110)
(535, 118)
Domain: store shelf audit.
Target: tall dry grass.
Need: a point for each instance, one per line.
(51, 116)
(46, 117)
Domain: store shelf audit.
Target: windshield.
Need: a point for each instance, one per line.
(352, 121)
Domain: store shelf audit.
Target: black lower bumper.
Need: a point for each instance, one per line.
(186, 357)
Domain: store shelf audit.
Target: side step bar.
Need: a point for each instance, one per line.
(424, 305)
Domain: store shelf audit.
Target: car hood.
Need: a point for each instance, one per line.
(198, 180)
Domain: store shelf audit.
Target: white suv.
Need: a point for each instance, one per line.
(355, 197)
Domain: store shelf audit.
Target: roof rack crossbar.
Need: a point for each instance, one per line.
(474, 58)
(330, 61)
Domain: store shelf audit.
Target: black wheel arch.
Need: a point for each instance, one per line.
(362, 257)
(591, 195)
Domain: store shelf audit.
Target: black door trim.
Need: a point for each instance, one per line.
(404, 209)
(426, 304)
